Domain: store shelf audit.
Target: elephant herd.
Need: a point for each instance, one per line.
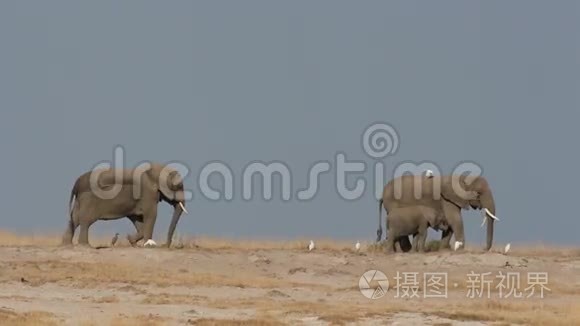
(413, 204)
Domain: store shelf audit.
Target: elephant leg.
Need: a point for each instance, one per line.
(421, 238)
(149, 223)
(138, 223)
(405, 243)
(84, 233)
(445, 242)
(67, 238)
(415, 239)
(453, 215)
(390, 245)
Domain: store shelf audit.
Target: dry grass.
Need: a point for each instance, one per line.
(123, 320)
(11, 318)
(252, 244)
(107, 299)
(149, 320)
(167, 298)
(236, 322)
(526, 312)
(88, 275)
(329, 311)
(541, 250)
(110, 270)
(11, 239)
(529, 313)
(50, 240)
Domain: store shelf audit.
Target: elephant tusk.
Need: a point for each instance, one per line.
(484, 220)
(491, 215)
(183, 207)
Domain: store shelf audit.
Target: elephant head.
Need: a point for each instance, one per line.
(469, 191)
(171, 190)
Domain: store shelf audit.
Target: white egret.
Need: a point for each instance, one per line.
(507, 248)
(311, 246)
(150, 243)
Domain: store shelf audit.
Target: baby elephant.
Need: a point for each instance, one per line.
(413, 220)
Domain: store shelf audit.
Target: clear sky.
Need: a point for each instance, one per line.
(494, 82)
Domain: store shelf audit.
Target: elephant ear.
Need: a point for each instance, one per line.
(170, 184)
(456, 190)
(173, 180)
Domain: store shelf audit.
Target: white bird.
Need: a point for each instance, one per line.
(357, 246)
(150, 243)
(507, 248)
(429, 173)
(457, 245)
(311, 246)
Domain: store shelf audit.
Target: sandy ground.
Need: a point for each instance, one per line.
(213, 286)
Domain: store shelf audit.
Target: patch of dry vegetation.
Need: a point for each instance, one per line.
(145, 320)
(529, 313)
(11, 239)
(11, 318)
(50, 240)
(252, 244)
(525, 312)
(266, 321)
(337, 312)
(125, 275)
(87, 275)
(107, 299)
(123, 320)
(167, 298)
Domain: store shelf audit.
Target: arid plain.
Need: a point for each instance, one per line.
(224, 282)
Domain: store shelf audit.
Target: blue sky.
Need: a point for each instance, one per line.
(493, 82)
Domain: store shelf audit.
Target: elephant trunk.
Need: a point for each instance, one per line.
(488, 203)
(178, 209)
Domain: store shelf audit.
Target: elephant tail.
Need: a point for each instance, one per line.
(73, 194)
(380, 229)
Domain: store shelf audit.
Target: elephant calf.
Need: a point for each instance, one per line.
(413, 220)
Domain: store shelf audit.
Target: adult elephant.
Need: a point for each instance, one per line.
(110, 194)
(450, 193)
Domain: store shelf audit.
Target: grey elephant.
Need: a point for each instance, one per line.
(415, 221)
(110, 194)
(449, 193)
